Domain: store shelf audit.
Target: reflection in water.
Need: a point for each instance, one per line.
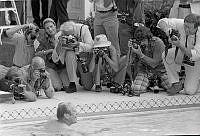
(176, 122)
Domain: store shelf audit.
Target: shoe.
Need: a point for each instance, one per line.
(71, 88)
(98, 88)
(64, 88)
(175, 88)
(114, 89)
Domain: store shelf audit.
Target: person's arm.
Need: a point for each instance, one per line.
(10, 32)
(157, 54)
(48, 87)
(57, 48)
(87, 44)
(113, 61)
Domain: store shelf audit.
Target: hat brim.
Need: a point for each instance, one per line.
(105, 44)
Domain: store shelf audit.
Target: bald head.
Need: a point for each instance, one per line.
(38, 63)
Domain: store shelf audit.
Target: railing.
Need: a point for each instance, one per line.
(142, 104)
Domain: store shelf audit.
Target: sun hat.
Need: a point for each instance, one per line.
(101, 41)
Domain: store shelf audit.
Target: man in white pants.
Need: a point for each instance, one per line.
(189, 45)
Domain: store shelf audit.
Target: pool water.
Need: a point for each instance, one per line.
(168, 122)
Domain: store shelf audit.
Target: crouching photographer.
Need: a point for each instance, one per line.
(72, 40)
(104, 68)
(148, 60)
(187, 55)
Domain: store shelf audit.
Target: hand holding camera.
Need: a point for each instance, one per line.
(135, 46)
(100, 52)
(43, 74)
(69, 42)
(174, 36)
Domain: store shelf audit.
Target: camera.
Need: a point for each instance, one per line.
(32, 32)
(43, 74)
(133, 43)
(114, 9)
(17, 89)
(123, 17)
(83, 64)
(174, 34)
(68, 39)
(186, 60)
(101, 51)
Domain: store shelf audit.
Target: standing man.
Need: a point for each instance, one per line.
(106, 21)
(58, 11)
(35, 5)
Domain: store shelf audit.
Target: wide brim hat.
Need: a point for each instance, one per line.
(101, 41)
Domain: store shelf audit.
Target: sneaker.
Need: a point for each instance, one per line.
(175, 88)
(71, 88)
(98, 88)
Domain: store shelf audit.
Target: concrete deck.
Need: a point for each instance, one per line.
(95, 102)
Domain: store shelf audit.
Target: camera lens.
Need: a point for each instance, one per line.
(18, 80)
(42, 70)
(33, 36)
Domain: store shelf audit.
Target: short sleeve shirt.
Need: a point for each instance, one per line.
(23, 52)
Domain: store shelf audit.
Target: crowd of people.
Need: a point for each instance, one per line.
(52, 59)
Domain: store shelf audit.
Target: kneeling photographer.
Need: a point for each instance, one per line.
(187, 55)
(148, 60)
(104, 67)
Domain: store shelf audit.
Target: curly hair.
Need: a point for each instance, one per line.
(142, 32)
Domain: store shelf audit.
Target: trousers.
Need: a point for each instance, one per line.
(191, 83)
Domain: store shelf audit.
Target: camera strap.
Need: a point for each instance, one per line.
(186, 40)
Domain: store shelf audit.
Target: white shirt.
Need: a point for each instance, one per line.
(99, 5)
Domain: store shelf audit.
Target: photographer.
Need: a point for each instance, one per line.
(57, 71)
(38, 79)
(13, 82)
(73, 39)
(148, 60)
(104, 65)
(24, 43)
(187, 56)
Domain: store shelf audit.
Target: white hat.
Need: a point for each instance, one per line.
(101, 41)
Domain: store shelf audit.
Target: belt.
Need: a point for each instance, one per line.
(184, 5)
(16, 66)
(111, 10)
